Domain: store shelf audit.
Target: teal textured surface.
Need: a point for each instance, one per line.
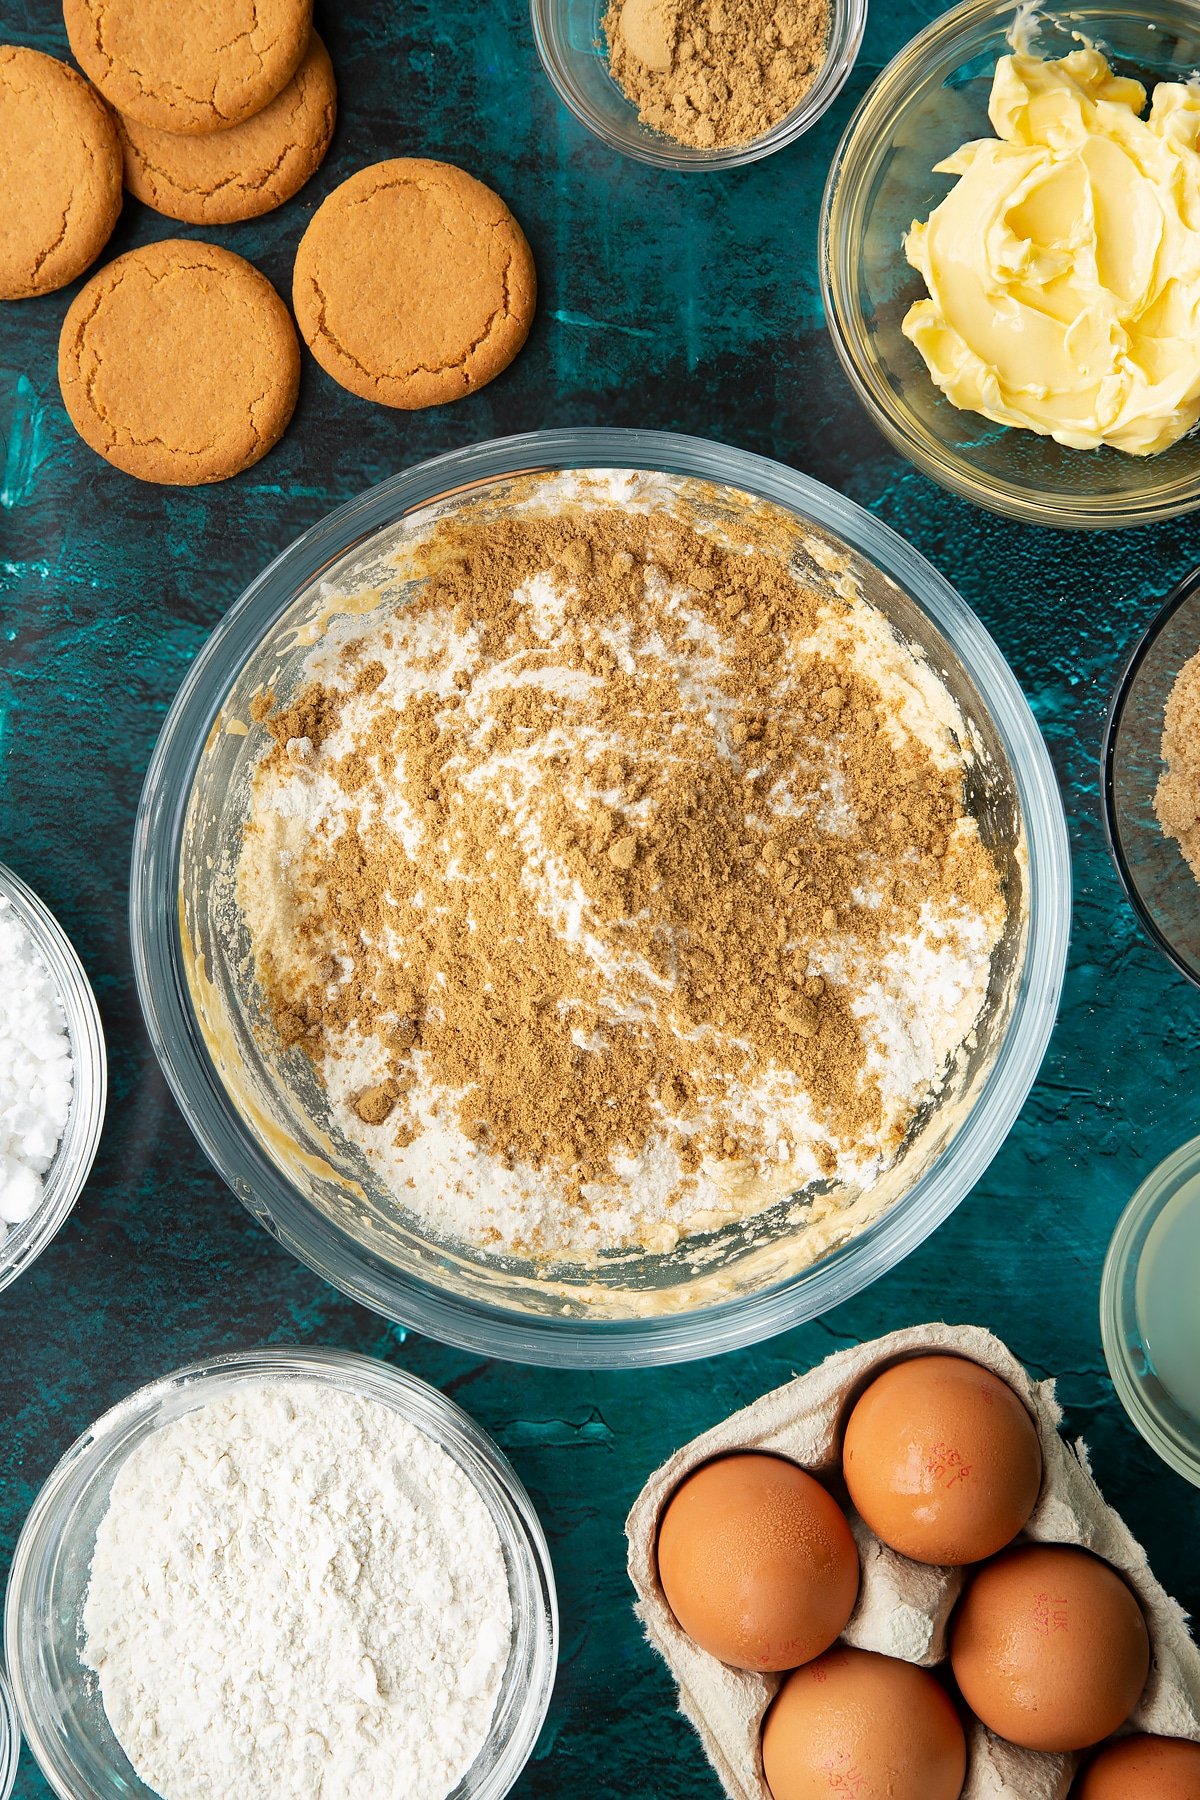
(683, 302)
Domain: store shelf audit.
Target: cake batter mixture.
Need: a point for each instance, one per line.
(620, 882)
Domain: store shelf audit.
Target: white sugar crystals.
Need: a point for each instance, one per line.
(35, 1070)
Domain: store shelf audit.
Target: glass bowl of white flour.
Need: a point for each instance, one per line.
(285, 1571)
(48, 1018)
(577, 1223)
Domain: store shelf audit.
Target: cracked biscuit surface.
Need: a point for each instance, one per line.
(242, 172)
(179, 363)
(60, 173)
(414, 284)
(189, 65)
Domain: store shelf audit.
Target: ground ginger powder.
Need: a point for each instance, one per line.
(715, 73)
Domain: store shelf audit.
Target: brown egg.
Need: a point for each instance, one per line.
(1142, 1768)
(1050, 1648)
(942, 1460)
(757, 1562)
(854, 1723)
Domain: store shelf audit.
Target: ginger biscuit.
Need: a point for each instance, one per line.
(60, 173)
(247, 170)
(179, 363)
(183, 65)
(413, 284)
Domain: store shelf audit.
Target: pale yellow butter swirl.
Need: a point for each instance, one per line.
(1063, 267)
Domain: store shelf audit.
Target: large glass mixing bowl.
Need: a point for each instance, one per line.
(272, 1139)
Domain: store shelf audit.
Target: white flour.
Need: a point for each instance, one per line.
(295, 1593)
(35, 1071)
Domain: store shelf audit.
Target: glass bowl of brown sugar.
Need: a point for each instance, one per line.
(1151, 779)
(600, 898)
(688, 107)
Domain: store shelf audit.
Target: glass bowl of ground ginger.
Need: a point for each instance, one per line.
(698, 84)
(600, 898)
(1152, 779)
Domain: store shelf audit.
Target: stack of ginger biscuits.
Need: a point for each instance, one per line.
(179, 362)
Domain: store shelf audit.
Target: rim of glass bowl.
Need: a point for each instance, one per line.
(64, 1180)
(10, 1739)
(29, 1619)
(1179, 596)
(489, 1330)
(846, 28)
(1118, 1316)
(843, 213)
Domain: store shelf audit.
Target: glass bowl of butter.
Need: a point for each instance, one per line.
(1010, 256)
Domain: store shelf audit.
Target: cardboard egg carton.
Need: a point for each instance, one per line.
(903, 1607)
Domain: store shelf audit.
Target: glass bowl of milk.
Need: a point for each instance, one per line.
(1150, 1310)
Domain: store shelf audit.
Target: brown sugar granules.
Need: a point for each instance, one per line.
(1177, 801)
(587, 877)
(713, 73)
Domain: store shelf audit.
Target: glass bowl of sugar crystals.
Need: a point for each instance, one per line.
(600, 898)
(53, 1076)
